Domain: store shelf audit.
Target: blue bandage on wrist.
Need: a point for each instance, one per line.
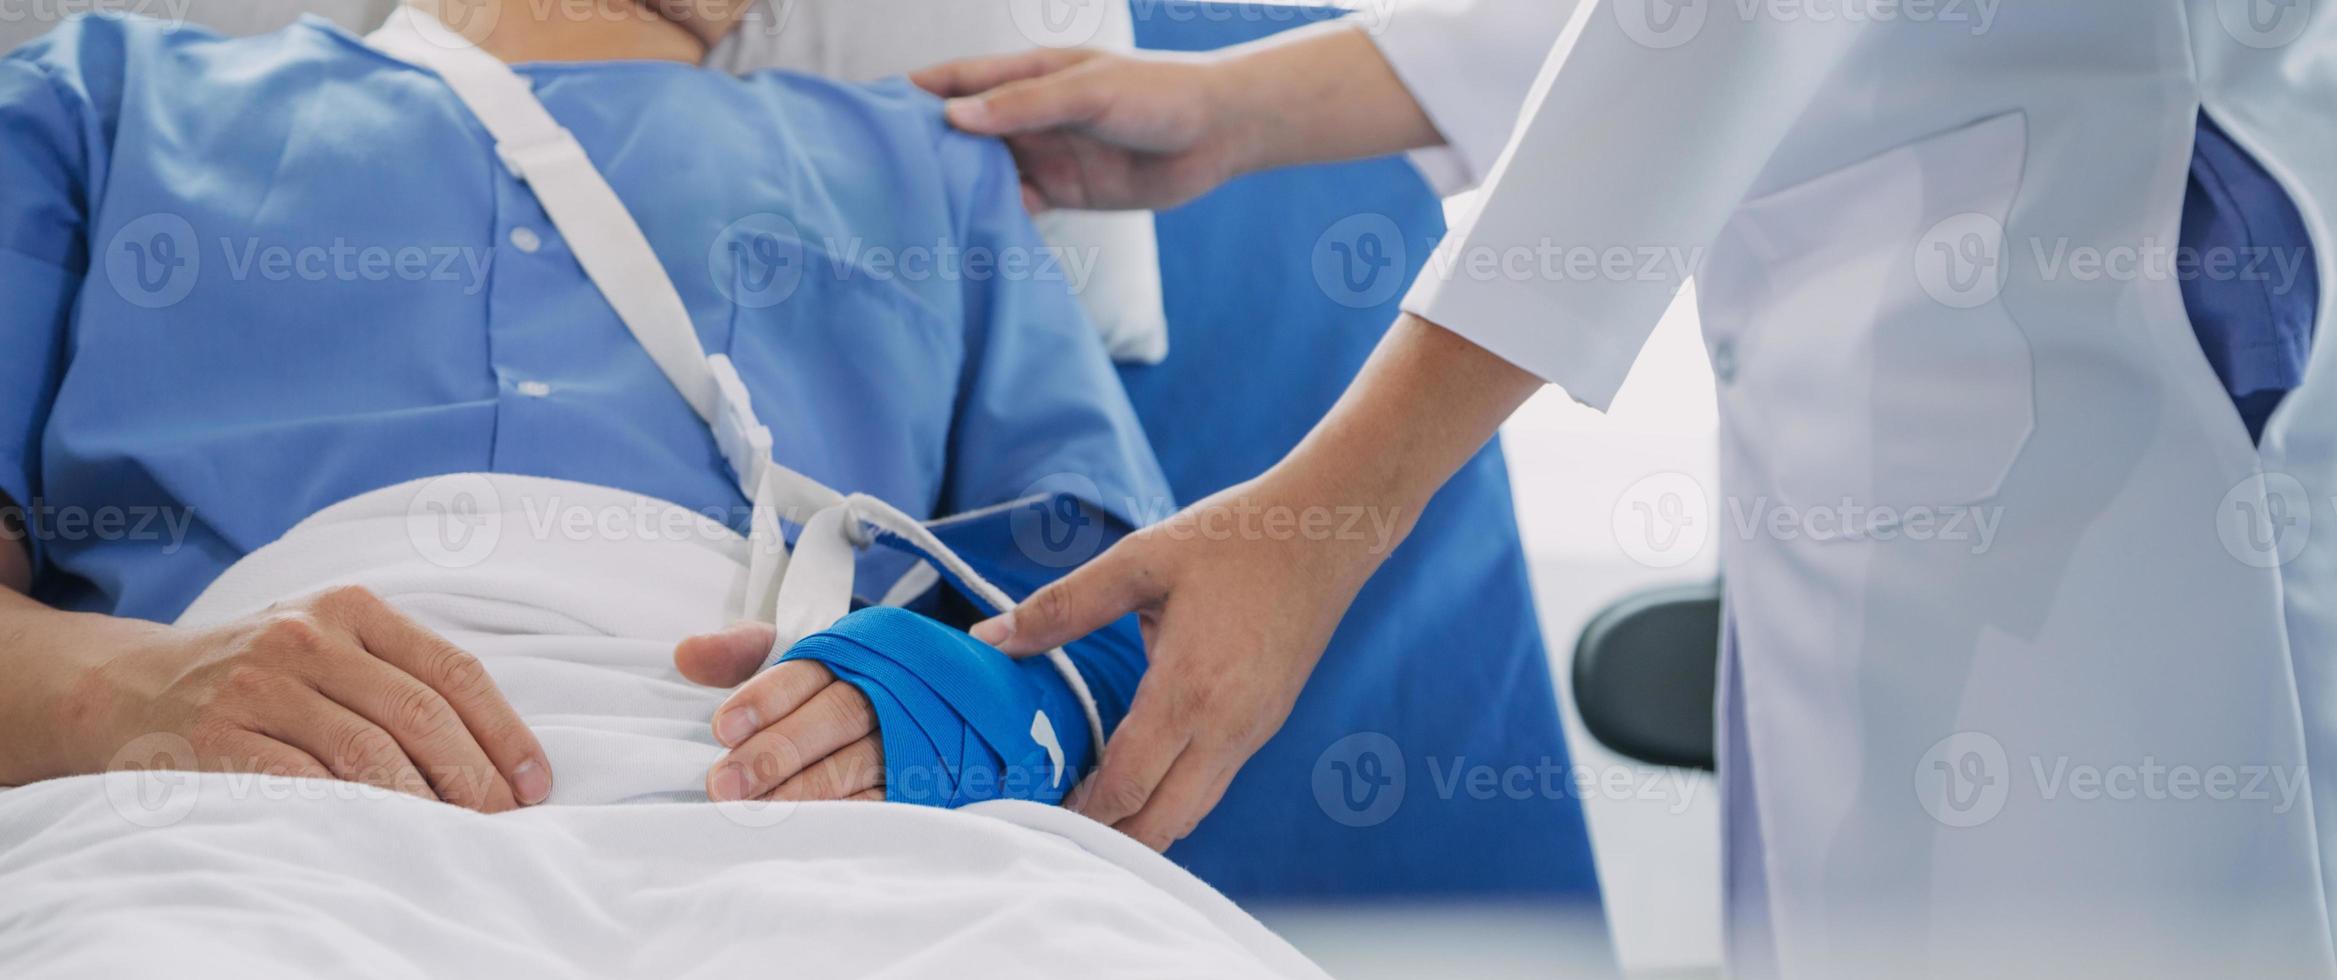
(960, 721)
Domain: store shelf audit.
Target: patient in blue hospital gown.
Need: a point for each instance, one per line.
(246, 279)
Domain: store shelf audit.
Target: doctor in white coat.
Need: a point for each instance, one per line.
(2081, 749)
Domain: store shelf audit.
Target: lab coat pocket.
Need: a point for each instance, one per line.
(1859, 328)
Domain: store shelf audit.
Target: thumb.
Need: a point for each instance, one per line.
(728, 658)
(1048, 102)
(1071, 607)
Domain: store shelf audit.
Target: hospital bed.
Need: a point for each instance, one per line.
(1440, 670)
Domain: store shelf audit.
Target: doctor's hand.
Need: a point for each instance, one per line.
(1236, 607)
(336, 685)
(1234, 621)
(794, 732)
(1100, 131)
(1104, 131)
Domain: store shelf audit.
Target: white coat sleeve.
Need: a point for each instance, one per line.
(1640, 138)
(1470, 64)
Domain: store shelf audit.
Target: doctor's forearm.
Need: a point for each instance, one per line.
(1425, 403)
(1318, 95)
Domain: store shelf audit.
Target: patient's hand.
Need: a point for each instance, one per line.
(795, 732)
(334, 685)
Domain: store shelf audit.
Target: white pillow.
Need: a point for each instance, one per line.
(864, 40)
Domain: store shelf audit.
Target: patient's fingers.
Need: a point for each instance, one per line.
(768, 698)
(350, 747)
(971, 76)
(423, 725)
(854, 769)
(835, 717)
(727, 658)
(254, 752)
(1135, 760)
(517, 771)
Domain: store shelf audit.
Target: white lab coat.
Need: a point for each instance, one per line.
(2076, 745)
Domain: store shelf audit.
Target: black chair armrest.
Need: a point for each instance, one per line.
(1646, 671)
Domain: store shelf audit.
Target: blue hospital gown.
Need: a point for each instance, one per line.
(246, 279)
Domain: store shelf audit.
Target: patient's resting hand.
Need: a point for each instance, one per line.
(333, 685)
(794, 732)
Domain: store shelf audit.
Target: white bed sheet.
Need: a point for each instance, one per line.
(572, 596)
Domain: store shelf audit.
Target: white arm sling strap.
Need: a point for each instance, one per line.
(800, 593)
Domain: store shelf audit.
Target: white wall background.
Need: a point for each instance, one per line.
(1573, 470)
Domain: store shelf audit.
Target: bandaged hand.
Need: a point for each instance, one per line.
(794, 732)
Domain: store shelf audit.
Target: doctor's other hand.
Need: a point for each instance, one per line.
(1234, 622)
(794, 732)
(336, 685)
(1101, 131)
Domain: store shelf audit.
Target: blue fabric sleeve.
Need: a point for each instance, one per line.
(49, 139)
(960, 722)
(2249, 278)
(1039, 406)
